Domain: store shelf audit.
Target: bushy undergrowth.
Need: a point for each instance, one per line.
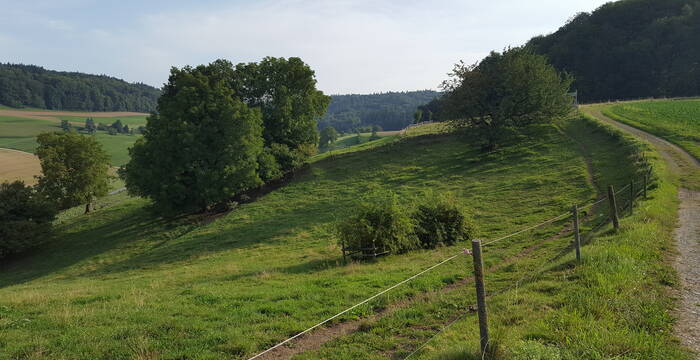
(25, 218)
(384, 225)
(441, 221)
(379, 226)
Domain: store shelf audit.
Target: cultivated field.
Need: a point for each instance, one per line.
(124, 282)
(675, 120)
(19, 133)
(18, 165)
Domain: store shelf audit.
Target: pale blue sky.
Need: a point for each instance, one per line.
(358, 46)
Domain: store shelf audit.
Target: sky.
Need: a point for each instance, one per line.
(358, 46)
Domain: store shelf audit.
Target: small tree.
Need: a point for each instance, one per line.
(328, 136)
(126, 129)
(90, 126)
(118, 126)
(66, 126)
(375, 129)
(74, 169)
(25, 218)
(418, 116)
(506, 91)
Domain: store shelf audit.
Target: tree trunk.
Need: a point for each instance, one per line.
(88, 207)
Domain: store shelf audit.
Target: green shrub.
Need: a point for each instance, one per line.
(268, 168)
(25, 218)
(441, 221)
(377, 227)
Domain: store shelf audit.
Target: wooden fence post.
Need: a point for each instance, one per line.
(577, 235)
(480, 294)
(631, 197)
(613, 207)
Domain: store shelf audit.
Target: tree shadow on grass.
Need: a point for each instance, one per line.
(114, 228)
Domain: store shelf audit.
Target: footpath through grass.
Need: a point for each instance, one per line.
(678, 121)
(124, 283)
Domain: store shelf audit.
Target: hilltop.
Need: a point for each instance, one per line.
(629, 49)
(35, 87)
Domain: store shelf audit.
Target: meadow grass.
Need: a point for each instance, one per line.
(678, 121)
(126, 283)
(614, 304)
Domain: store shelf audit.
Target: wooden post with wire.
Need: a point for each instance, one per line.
(480, 294)
(631, 197)
(577, 234)
(613, 207)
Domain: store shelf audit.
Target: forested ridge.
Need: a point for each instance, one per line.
(390, 110)
(629, 49)
(36, 87)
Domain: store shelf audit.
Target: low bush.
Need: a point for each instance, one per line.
(441, 221)
(378, 227)
(25, 218)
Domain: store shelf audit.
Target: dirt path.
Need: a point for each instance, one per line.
(687, 234)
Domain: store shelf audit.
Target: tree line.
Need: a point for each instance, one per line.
(389, 111)
(34, 86)
(629, 49)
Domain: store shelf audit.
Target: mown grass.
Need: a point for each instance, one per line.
(124, 283)
(677, 121)
(614, 304)
(20, 134)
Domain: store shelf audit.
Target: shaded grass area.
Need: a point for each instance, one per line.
(20, 134)
(615, 304)
(677, 121)
(123, 282)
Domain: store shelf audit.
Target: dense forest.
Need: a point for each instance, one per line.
(629, 49)
(34, 86)
(390, 111)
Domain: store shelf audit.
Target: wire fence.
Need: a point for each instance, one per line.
(605, 220)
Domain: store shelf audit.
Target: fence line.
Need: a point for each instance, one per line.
(554, 219)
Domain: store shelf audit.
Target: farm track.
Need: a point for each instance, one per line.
(687, 234)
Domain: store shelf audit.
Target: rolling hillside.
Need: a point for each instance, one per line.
(124, 282)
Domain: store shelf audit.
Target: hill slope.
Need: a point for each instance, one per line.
(36, 87)
(630, 49)
(124, 282)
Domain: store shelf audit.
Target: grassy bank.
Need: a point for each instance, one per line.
(673, 120)
(124, 283)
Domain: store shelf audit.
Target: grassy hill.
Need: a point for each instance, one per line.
(125, 283)
(675, 120)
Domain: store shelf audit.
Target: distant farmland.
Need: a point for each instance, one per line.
(19, 128)
(18, 165)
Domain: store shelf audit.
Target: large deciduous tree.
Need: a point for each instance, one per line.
(74, 169)
(285, 91)
(504, 91)
(203, 145)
